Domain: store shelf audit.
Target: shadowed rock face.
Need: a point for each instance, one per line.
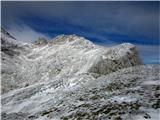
(41, 41)
(72, 78)
(121, 56)
(7, 34)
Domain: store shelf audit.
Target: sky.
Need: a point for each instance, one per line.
(105, 23)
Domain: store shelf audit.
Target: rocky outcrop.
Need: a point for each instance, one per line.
(121, 56)
(63, 38)
(7, 34)
(41, 41)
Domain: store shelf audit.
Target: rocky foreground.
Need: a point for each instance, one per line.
(71, 78)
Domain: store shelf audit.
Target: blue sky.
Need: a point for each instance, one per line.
(105, 23)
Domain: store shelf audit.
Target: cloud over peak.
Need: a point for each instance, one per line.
(102, 22)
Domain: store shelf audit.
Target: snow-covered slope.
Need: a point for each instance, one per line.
(127, 94)
(69, 77)
(11, 60)
(64, 57)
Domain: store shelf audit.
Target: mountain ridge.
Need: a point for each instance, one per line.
(72, 78)
(69, 55)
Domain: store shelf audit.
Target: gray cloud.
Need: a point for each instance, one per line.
(129, 18)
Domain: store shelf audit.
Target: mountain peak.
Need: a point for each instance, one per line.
(60, 39)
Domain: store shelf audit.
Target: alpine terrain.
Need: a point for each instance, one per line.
(71, 78)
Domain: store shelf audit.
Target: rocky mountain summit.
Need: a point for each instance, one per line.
(70, 77)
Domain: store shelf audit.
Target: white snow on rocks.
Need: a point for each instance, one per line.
(64, 57)
(70, 77)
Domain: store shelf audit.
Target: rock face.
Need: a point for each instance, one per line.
(41, 41)
(121, 56)
(69, 77)
(5, 33)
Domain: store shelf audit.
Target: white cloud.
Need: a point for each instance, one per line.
(25, 33)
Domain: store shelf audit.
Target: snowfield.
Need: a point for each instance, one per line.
(71, 78)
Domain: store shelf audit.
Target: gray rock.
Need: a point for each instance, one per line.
(41, 41)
